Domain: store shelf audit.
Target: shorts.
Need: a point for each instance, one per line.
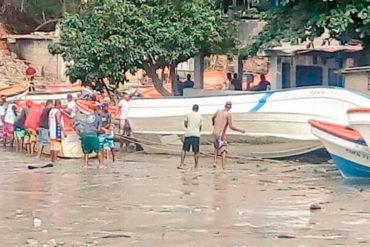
(43, 137)
(8, 131)
(106, 141)
(124, 125)
(31, 136)
(90, 143)
(1, 132)
(55, 145)
(219, 144)
(19, 134)
(193, 142)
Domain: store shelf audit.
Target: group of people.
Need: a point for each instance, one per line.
(25, 125)
(30, 126)
(234, 83)
(221, 120)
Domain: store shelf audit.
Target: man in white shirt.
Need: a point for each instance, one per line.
(193, 125)
(71, 109)
(124, 106)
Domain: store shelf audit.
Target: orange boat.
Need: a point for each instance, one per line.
(87, 107)
(14, 92)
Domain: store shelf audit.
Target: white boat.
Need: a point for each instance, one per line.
(359, 119)
(346, 147)
(276, 119)
(15, 92)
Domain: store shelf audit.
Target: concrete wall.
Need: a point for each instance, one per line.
(358, 81)
(275, 68)
(36, 52)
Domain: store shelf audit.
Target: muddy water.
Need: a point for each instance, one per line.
(143, 200)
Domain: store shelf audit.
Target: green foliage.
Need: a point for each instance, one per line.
(108, 37)
(298, 21)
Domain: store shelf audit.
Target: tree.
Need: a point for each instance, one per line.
(297, 21)
(109, 37)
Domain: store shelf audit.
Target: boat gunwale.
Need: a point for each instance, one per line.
(258, 92)
(326, 128)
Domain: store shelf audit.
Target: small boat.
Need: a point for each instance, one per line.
(87, 107)
(275, 120)
(359, 119)
(15, 92)
(346, 147)
(71, 144)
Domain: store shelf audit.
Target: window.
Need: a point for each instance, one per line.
(308, 75)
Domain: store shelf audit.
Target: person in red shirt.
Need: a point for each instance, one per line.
(30, 76)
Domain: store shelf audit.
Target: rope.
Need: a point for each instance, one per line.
(154, 145)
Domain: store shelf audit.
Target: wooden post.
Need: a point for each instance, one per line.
(198, 71)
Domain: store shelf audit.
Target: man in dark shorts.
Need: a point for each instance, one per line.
(43, 131)
(193, 125)
(88, 129)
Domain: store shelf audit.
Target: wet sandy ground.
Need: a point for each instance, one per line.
(143, 200)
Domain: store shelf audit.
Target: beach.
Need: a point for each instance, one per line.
(143, 200)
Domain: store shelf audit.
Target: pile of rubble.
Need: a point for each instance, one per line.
(12, 69)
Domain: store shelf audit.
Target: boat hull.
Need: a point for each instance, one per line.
(240, 146)
(359, 119)
(351, 158)
(275, 114)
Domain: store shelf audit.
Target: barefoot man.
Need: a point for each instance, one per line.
(221, 121)
(193, 125)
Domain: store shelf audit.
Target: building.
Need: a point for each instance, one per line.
(34, 49)
(357, 78)
(298, 66)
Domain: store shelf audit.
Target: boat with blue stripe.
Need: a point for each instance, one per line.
(277, 121)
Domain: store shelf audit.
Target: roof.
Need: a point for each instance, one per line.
(12, 38)
(321, 44)
(356, 70)
(293, 50)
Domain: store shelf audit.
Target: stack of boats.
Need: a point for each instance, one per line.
(51, 91)
(348, 145)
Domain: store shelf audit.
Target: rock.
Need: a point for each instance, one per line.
(61, 243)
(263, 169)
(52, 243)
(117, 236)
(32, 242)
(315, 206)
(37, 222)
(291, 170)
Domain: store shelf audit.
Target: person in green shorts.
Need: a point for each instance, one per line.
(88, 127)
(19, 130)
